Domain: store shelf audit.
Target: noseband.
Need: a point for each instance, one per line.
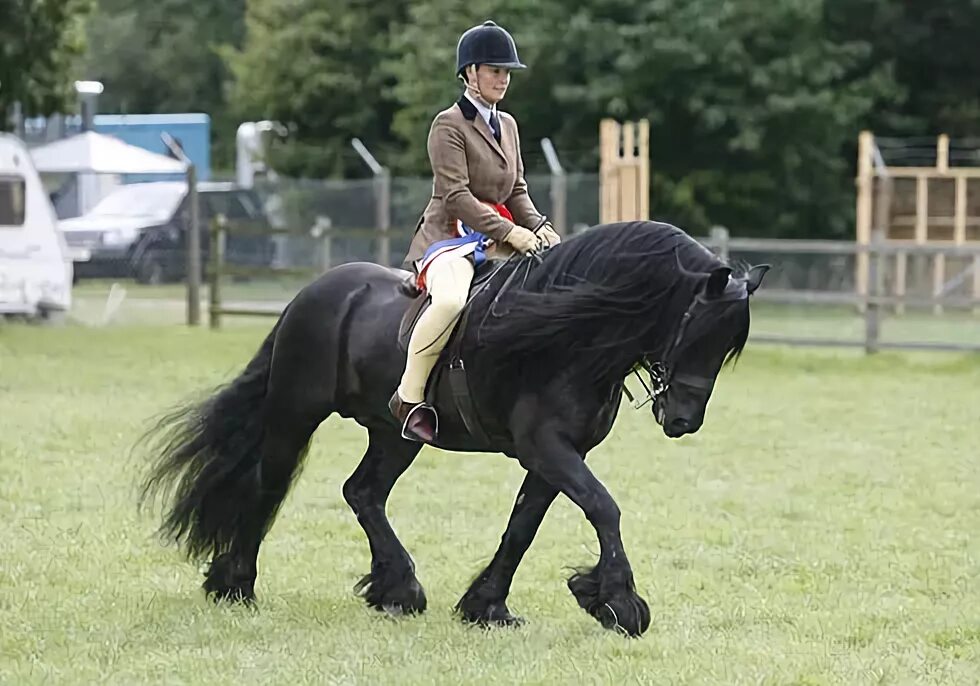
(661, 372)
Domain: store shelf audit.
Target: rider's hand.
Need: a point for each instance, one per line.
(523, 240)
(548, 235)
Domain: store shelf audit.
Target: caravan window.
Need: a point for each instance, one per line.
(12, 200)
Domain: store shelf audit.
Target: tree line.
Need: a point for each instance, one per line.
(754, 105)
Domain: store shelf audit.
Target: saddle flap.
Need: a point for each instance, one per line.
(411, 318)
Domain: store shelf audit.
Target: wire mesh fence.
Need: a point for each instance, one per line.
(358, 215)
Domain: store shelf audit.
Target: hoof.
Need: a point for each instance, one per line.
(621, 610)
(220, 594)
(227, 580)
(393, 594)
(487, 615)
(627, 613)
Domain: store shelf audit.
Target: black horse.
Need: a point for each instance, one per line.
(547, 345)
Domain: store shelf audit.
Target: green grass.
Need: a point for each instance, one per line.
(844, 323)
(820, 529)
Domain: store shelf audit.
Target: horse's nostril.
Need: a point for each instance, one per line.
(680, 424)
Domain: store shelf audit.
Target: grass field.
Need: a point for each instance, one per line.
(820, 529)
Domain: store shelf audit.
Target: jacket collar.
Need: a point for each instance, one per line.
(468, 108)
(470, 113)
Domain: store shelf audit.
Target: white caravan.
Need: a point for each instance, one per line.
(35, 267)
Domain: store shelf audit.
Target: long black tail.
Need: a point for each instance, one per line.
(207, 460)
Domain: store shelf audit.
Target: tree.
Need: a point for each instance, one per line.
(750, 103)
(163, 56)
(931, 47)
(314, 65)
(39, 40)
(755, 105)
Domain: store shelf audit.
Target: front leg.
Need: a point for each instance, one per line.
(485, 601)
(607, 591)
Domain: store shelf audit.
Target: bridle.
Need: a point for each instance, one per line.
(661, 372)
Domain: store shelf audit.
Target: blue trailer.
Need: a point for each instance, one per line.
(192, 131)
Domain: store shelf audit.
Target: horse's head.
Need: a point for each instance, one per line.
(712, 329)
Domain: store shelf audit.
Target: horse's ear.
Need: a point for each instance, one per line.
(754, 278)
(717, 282)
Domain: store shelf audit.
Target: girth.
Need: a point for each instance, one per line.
(458, 383)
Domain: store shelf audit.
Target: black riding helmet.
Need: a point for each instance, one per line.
(487, 44)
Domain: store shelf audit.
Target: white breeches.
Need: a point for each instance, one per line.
(447, 280)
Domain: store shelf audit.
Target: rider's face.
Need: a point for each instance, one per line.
(491, 82)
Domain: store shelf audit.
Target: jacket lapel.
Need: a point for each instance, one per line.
(469, 112)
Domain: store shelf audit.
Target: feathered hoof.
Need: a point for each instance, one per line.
(227, 581)
(621, 610)
(395, 593)
(487, 615)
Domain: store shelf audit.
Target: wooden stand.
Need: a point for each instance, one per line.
(935, 217)
(624, 171)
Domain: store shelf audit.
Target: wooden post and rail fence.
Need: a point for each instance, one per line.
(870, 303)
(624, 184)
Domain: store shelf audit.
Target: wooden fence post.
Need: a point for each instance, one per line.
(901, 272)
(322, 231)
(218, 228)
(938, 280)
(872, 313)
(719, 239)
(193, 252)
(872, 306)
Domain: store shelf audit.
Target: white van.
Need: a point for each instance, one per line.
(35, 267)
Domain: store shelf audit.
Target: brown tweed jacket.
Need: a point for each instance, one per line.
(469, 166)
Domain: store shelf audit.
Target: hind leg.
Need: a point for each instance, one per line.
(232, 572)
(391, 585)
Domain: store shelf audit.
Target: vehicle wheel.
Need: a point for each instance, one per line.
(150, 271)
(46, 317)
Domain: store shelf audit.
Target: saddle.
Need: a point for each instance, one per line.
(450, 360)
(421, 302)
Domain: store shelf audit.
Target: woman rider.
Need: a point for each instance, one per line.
(479, 202)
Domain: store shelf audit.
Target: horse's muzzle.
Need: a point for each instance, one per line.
(674, 427)
(679, 426)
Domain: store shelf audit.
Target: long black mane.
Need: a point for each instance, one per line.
(604, 289)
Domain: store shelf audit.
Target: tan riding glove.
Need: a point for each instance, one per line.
(548, 235)
(523, 240)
